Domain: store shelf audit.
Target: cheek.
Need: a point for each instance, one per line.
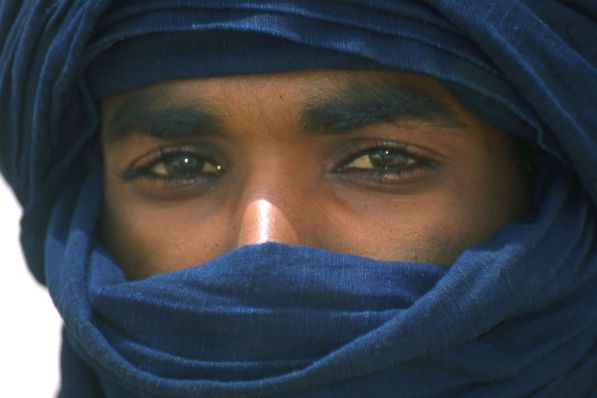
(147, 239)
(426, 227)
(465, 209)
(488, 193)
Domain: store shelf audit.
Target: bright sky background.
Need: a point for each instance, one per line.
(29, 326)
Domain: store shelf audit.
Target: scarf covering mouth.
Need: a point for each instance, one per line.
(513, 317)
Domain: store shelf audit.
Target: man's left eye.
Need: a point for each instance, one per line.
(386, 167)
(381, 160)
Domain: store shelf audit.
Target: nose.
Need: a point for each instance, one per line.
(262, 221)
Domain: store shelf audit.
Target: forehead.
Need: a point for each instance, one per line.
(221, 91)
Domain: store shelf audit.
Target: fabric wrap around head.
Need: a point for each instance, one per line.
(512, 317)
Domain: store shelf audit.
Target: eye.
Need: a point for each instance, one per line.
(381, 160)
(385, 165)
(185, 165)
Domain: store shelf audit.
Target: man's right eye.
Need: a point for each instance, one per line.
(184, 165)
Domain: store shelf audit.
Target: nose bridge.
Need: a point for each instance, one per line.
(267, 208)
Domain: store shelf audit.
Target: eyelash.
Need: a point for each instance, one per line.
(389, 175)
(144, 167)
(417, 163)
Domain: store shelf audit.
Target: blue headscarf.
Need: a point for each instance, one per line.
(515, 316)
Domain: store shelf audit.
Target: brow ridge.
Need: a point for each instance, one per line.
(358, 105)
(160, 117)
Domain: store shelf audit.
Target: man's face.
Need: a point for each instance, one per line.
(378, 164)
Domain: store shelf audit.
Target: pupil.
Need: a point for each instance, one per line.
(183, 164)
(386, 159)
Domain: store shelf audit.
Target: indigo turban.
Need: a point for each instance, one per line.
(517, 314)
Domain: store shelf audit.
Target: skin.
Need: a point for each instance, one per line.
(419, 187)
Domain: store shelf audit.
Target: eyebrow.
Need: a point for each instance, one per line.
(159, 114)
(359, 105)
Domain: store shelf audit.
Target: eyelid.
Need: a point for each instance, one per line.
(354, 150)
(366, 156)
(141, 165)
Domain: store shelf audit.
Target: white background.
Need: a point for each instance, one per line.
(29, 324)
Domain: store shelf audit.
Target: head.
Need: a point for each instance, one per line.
(379, 164)
(230, 123)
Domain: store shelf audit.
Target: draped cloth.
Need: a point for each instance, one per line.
(515, 316)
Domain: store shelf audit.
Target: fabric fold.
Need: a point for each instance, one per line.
(339, 318)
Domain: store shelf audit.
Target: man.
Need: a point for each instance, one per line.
(338, 199)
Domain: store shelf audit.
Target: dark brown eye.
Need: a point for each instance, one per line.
(385, 166)
(381, 160)
(183, 166)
